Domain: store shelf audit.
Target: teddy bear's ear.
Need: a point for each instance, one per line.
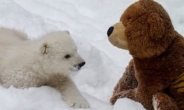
(156, 26)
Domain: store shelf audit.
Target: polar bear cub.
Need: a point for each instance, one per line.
(45, 61)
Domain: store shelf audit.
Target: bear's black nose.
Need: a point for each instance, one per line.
(81, 64)
(110, 30)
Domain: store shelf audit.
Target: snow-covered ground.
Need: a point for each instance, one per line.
(87, 21)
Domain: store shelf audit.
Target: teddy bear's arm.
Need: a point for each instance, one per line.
(127, 81)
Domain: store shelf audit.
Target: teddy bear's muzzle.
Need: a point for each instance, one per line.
(110, 30)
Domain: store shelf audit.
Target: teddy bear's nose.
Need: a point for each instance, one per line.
(110, 30)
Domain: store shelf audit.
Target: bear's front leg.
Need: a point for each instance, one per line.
(70, 93)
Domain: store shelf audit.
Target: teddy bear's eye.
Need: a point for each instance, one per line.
(67, 56)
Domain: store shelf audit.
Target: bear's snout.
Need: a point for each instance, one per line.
(81, 64)
(110, 30)
(78, 66)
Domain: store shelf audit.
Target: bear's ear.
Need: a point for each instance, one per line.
(45, 48)
(156, 26)
(66, 31)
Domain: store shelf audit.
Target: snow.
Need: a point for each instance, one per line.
(87, 21)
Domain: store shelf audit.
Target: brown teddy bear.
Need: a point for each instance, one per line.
(154, 75)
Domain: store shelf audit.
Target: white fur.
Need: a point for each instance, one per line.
(155, 103)
(25, 63)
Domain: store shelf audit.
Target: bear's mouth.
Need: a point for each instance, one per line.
(78, 66)
(75, 68)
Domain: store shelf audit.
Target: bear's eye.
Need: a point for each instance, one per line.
(67, 56)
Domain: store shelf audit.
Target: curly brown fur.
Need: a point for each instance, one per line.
(127, 81)
(158, 57)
